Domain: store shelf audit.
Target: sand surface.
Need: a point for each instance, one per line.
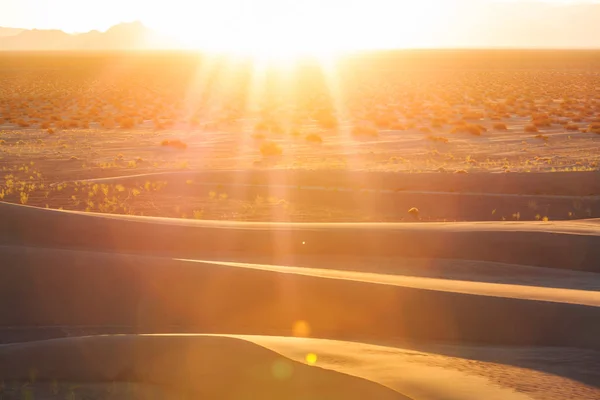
(269, 366)
(419, 314)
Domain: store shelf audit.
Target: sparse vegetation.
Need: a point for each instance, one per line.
(77, 124)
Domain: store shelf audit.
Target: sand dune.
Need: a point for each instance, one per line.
(269, 366)
(154, 294)
(573, 296)
(426, 372)
(140, 275)
(584, 183)
(387, 197)
(202, 366)
(566, 245)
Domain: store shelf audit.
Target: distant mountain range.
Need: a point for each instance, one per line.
(125, 36)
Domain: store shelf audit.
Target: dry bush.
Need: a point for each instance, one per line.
(594, 128)
(127, 123)
(271, 149)
(327, 121)
(472, 129)
(314, 138)
(175, 143)
(295, 131)
(383, 121)
(531, 129)
(500, 126)
(542, 123)
(572, 127)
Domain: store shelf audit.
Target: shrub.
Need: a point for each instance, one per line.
(594, 128)
(572, 127)
(541, 123)
(531, 128)
(499, 126)
(176, 144)
(127, 123)
(468, 128)
(383, 122)
(271, 149)
(314, 138)
(326, 120)
(542, 137)
(261, 127)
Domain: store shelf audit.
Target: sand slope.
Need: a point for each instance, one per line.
(152, 294)
(583, 183)
(115, 274)
(567, 245)
(205, 366)
(266, 366)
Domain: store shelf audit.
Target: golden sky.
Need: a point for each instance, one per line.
(324, 25)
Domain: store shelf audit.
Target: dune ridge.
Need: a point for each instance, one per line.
(567, 245)
(158, 294)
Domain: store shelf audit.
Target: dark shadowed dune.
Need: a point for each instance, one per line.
(568, 245)
(200, 366)
(151, 294)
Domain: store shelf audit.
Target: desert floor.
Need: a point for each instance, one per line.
(425, 235)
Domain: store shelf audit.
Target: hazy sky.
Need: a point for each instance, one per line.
(328, 23)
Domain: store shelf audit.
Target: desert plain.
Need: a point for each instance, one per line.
(385, 225)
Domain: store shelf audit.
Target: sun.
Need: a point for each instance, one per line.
(268, 29)
(289, 29)
(282, 41)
